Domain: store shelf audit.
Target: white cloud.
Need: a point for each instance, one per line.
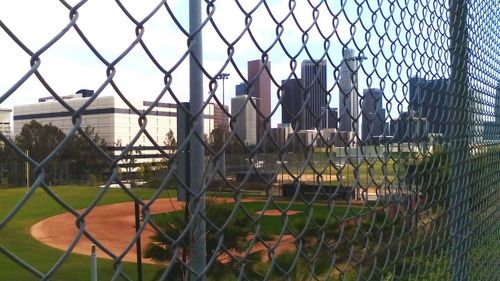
(69, 65)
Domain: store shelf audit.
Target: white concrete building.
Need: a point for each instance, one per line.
(112, 118)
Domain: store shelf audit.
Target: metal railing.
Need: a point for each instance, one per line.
(361, 141)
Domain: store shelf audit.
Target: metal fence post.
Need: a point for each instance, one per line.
(138, 244)
(197, 204)
(183, 162)
(459, 141)
(93, 264)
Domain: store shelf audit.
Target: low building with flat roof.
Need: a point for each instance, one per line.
(112, 118)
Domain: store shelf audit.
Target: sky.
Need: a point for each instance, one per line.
(399, 41)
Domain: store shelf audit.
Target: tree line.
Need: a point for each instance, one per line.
(79, 154)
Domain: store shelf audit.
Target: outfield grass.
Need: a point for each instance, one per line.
(272, 225)
(15, 236)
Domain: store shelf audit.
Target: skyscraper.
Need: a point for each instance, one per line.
(372, 114)
(333, 118)
(429, 99)
(241, 89)
(314, 94)
(220, 118)
(348, 92)
(409, 128)
(245, 116)
(259, 87)
(292, 103)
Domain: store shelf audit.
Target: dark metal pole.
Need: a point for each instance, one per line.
(197, 155)
(458, 142)
(183, 167)
(138, 242)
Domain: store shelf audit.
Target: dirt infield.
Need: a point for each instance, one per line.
(114, 227)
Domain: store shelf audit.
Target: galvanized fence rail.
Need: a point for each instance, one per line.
(361, 140)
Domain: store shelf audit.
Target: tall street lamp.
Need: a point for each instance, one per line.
(223, 76)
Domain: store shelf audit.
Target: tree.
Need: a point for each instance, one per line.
(431, 178)
(217, 138)
(130, 161)
(7, 154)
(84, 155)
(170, 141)
(234, 235)
(40, 140)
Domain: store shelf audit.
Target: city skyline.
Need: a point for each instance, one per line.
(71, 63)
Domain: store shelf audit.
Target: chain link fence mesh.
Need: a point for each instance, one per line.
(361, 142)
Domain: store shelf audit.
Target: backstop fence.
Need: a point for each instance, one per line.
(257, 140)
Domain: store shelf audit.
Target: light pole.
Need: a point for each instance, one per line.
(223, 76)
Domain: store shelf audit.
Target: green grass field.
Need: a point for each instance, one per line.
(273, 225)
(16, 238)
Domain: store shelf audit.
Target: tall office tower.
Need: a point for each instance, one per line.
(387, 129)
(348, 92)
(241, 89)
(409, 128)
(244, 115)
(292, 103)
(259, 87)
(372, 115)
(429, 99)
(220, 118)
(314, 94)
(333, 118)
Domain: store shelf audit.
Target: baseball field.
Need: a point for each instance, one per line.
(38, 235)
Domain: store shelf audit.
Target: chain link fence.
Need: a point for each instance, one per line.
(252, 140)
